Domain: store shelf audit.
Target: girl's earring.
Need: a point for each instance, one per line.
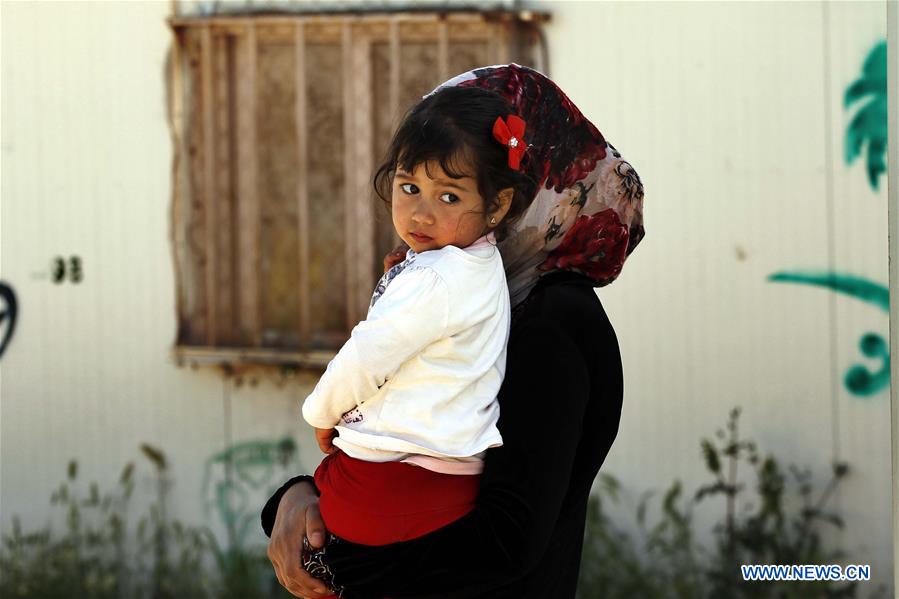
(492, 220)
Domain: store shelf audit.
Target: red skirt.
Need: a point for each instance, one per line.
(378, 503)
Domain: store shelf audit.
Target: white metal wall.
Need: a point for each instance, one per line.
(86, 159)
(732, 114)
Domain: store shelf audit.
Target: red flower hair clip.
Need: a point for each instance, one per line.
(511, 133)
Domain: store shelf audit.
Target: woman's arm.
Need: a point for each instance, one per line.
(525, 481)
(297, 516)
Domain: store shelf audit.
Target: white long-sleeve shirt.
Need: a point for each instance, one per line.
(418, 378)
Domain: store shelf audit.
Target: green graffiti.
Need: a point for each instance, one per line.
(857, 287)
(870, 123)
(234, 478)
(858, 379)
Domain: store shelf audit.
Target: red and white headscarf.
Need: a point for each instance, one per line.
(587, 216)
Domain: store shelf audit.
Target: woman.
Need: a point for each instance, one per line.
(560, 399)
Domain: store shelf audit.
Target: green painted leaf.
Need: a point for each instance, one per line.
(868, 128)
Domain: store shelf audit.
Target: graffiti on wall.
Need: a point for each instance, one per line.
(62, 269)
(9, 312)
(858, 379)
(867, 131)
(235, 479)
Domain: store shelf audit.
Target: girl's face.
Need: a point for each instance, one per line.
(431, 213)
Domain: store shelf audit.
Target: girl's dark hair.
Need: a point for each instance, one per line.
(454, 127)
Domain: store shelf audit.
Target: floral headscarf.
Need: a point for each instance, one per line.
(587, 216)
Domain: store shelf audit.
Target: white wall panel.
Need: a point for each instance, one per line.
(721, 108)
(698, 322)
(859, 249)
(86, 172)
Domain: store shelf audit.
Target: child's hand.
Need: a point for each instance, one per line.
(395, 257)
(324, 436)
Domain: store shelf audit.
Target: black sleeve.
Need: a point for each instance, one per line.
(542, 404)
(271, 506)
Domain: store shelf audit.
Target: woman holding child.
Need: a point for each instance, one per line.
(459, 465)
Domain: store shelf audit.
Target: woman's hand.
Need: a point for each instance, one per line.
(297, 516)
(395, 257)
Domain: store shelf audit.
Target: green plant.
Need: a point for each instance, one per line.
(664, 560)
(98, 556)
(170, 556)
(767, 532)
(85, 560)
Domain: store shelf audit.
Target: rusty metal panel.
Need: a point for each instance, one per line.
(246, 228)
(209, 199)
(278, 183)
(264, 242)
(302, 129)
(349, 187)
(362, 166)
(190, 248)
(327, 263)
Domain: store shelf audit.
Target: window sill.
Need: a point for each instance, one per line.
(233, 356)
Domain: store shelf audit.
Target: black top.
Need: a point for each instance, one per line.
(560, 404)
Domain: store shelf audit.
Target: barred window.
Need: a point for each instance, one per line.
(278, 123)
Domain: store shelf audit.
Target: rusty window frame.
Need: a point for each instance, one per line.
(201, 44)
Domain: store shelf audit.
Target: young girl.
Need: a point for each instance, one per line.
(411, 396)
